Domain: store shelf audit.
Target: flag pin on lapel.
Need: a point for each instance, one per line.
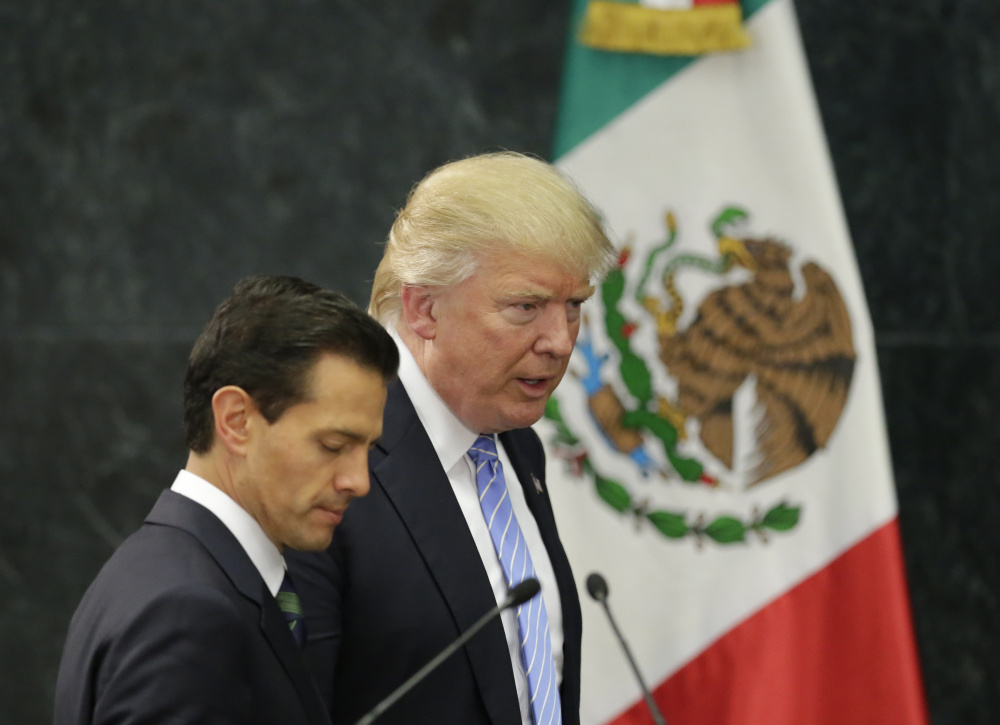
(538, 484)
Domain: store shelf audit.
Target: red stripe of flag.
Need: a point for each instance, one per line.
(838, 648)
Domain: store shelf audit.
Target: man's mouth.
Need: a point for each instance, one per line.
(535, 386)
(333, 514)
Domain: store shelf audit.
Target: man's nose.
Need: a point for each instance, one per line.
(354, 477)
(558, 334)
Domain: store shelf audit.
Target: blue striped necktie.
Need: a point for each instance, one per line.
(532, 619)
(289, 604)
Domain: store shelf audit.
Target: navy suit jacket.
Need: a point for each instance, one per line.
(178, 628)
(403, 579)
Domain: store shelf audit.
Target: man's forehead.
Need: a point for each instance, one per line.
(546, 286)
(539, 278)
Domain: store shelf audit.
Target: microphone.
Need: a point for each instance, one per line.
(517, 596)
(597, 587)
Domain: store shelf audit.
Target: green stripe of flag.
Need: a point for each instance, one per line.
(599, 85)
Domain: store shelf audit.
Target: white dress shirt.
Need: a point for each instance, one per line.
(451, 441)
(261, 550)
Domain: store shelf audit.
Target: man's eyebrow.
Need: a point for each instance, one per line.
(536, 296)
(526, 295)
(346, 433)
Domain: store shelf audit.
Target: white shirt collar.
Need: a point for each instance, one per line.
(262, 552)
(449, 436)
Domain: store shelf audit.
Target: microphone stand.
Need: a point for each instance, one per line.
(518, 595)
(598, 589)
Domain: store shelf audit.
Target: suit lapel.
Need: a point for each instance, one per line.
(275, 629)
(531, 475)
(413, 480)
(529, 471)
(531, 483)
(173, 509)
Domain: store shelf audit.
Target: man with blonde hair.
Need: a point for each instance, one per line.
(482, 281)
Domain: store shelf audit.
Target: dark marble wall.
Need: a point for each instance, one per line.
(153, 152)
(910, 96)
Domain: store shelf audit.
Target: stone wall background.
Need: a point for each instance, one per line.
(153, 152)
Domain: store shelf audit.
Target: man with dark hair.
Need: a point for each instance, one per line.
(193, 619)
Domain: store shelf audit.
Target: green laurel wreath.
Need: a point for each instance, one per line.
(675, 524)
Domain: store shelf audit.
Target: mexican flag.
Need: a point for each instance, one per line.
(718, 450)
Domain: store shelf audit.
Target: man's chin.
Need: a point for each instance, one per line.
(525, 416)
(316, 542)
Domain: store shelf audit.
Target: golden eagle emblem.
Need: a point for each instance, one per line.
(799, 351)
(780, 330)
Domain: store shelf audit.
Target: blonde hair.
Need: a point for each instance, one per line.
(494, 202)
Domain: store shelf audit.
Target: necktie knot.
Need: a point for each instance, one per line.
(291, 606)
(483, 450)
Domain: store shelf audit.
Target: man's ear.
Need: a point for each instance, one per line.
(232, 407)
(418, 310)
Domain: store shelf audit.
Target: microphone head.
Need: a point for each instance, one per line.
(522, 593)
(597, 587)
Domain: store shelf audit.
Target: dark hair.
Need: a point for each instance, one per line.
(265, 338)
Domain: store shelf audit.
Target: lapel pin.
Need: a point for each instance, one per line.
(538, 484)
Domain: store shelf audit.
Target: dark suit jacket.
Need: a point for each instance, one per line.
(403, 579)
(179, 627)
